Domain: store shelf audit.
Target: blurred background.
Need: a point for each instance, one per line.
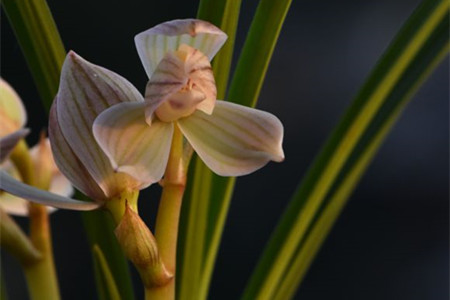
(392, 240)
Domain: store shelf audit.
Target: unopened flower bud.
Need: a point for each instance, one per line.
(43, 163)
(141, 248)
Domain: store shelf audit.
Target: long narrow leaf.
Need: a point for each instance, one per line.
(257, 52)
(339, 195)
(99, 229)
(41, 44)
(192, 280)
(420, 44)
(263, 35)
(110, 291)
(208, 195)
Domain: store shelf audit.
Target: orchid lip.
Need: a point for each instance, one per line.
(231, 139)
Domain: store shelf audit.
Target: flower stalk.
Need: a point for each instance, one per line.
(16, 242)
(117, 205)
(40, 274)
(22, 160)
(166, 230)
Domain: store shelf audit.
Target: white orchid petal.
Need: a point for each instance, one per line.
(235, 140)
(13, 205)
(16, 206)
(60, 185)
(12, 111)
(40, 154)
(19, 189)
(85, 91)
(155, 42)
(67, 162)
(9, 203)
(131, 144)
(7, 143)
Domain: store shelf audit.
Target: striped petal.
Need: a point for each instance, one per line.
(12, 112)
(235, 140)
(19, 189)
(9, 203)
(168, 78)
(85, 91)
(16, 206)
(200, 73)
(185, 79)
(133, 146)
(68, 163)
(43, 159)
(154, 43)
(8, 142)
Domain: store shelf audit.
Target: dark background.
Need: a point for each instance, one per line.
(391, 241)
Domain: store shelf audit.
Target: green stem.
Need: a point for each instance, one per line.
(16, 242)
(166, 229)
(23, 162)
(40, 274)
(116, 205)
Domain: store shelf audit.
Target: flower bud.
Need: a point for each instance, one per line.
(43, 163)
(141, 248)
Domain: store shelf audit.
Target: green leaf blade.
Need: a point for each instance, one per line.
(104, 276)
(210, 199)
(257, 52)
(99, 229)
(41, 44)
(348, 152)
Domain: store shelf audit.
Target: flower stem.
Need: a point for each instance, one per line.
(40, 274)
(23, 162)
(116, 205)
(166, 229)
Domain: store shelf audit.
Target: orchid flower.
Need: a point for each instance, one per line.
(85, 91)
(43, 162)
(12, 190)
(231, 139)
(14, 117)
